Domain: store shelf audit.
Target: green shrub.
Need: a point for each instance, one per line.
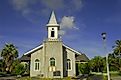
(105, 78)
(84, 68)
(19, 69)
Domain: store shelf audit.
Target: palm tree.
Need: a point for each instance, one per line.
(1, 66)
(117, 53)
(9, 53)
(117, 48)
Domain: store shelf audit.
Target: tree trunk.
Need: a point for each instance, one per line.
(98, 69)
(7, 70)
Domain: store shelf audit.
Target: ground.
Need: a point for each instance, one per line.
(92, 77)
(114, 76)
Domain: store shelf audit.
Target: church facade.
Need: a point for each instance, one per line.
(52, 59)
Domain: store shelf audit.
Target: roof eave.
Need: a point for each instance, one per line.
(72, 49)
(36, 48)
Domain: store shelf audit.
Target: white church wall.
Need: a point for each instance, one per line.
(53, 49)
(55, 30)
(71, 56)
(36, 55)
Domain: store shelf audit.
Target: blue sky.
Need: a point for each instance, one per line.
(23, 23)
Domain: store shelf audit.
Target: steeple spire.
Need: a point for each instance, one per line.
(53, 27)
(52, 21)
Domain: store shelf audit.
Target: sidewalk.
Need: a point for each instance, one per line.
(8, 78)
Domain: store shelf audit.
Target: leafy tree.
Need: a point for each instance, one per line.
(117, 48)
(97, 64)
(9, 54)
(1, 66)
(84, 68)
(116, 58)
(112, 62)
(14, 64)
(20, 69)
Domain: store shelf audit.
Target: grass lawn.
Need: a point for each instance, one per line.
(94, 76)
(113, 74)
(35, 78)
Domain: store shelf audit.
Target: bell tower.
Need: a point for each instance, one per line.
(53, 27)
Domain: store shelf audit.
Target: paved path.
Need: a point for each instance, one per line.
(8, 78)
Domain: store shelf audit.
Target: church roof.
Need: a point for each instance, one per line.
(25, 58)
(40, 46)
(52, 21)
(82, 58)
(34, 49)
(72, 49)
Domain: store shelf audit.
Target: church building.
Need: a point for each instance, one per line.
(53, 59)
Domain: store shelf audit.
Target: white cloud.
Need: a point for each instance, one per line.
(62, 4)
(31, 10)
(61, 32)
(78, 4)
(53, 4)
(67, 22)
(25, 7)
(20, 4)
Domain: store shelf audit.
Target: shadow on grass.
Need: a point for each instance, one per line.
(95, 77)
(89, 77)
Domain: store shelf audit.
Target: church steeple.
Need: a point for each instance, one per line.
(52, 21)
(52, 27)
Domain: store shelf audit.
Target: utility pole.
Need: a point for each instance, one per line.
(104, 43)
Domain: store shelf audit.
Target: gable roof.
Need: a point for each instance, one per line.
(25, 58)
(72, 49)
(34, 49)
(40, 46)
(82, 58)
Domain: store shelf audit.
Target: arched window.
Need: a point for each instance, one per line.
(37, 64)
(68, 64)
(52, 61)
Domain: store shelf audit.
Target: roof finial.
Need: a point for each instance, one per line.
(52, 20)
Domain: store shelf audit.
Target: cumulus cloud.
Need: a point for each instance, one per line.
(34, 9)
(20, 4)
(40, 5)
(62, 32)
(26, 8)
(53, 4)
(67, 22)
